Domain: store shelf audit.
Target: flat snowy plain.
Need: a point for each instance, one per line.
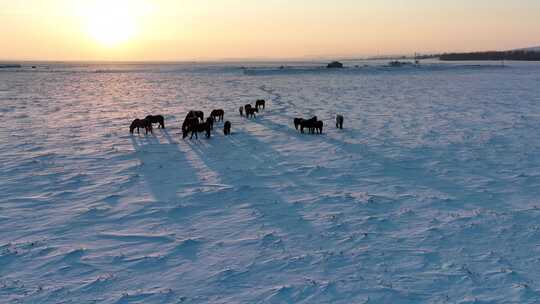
(429, 195)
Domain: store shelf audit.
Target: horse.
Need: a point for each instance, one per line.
(318, 125)
(197, 128)
(309, 124)
(227, 128)
(250, 112)
(339, 121)
(241, 110)
(210, 121)
(217, 114)
(157, 119)
(297, 122)
(141, 123)
(246, 107)
(197, 114)
(188, 123)
(260, 103)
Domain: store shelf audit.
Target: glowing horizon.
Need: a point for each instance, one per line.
(167, 30)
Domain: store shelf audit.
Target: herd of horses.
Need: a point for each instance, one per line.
(195, 123)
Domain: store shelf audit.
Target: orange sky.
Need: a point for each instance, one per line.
(162, 30)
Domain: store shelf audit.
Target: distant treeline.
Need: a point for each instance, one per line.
(493, 55)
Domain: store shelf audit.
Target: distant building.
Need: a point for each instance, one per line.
(335, 65)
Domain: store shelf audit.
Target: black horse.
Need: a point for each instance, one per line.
(197, 114)
(188, 124)
(159, 119)
(260, 103)
(250, 112)
(339, 121)
(227, 128)
(297, 122)
(310, 124)
(141, 123)
(210, 120)
(198, 128)
(217, 115)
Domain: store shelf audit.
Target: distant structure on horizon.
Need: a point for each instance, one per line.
(517, 55)
(335, 65)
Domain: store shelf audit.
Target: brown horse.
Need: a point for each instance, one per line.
(339, 121)
(260, 103)
(227, 128)
(217, 115)
(141, 123)
(157, 119)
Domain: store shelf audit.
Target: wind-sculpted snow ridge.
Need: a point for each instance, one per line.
(429, 194)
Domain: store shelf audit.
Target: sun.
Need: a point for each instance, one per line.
(111, 23)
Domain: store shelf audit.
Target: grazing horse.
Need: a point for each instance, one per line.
(217, 114)
(241, 110)
(210, 121)
(339, 121)
(198, 128)
(141, 123)
(227, 128)
(250, 112)
(260, 103)
(189, 122)
(196, 114)
(157, 119)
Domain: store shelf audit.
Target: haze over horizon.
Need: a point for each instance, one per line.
(167, 30)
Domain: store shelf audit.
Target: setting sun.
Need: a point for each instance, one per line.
(111, 23)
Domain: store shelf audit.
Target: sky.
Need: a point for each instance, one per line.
(179, 30)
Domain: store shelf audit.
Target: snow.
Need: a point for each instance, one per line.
(429, 194)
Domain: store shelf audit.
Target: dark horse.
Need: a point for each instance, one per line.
(141, 123)
(311, 124)
(246, 107)
(210, 120)
(217, 115)
(198, 128)
(197, 114)
(297, 122)
(260, 103)
(339, 121)
(157, 119)
(188, 124)
(241, 110)
(250, 112)
(227, 128)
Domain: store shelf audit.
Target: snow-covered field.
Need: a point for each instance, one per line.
(430, 194)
